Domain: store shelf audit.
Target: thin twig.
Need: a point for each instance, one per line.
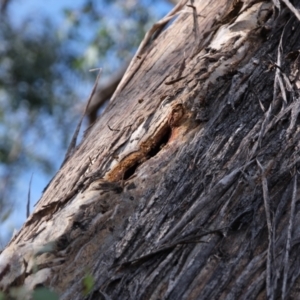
(279, 71)
(270, 294)
(195, 27)
(73, 142)
(186, 240)
(28, 198)
(264, 124)
(292, 8)
(289, 238)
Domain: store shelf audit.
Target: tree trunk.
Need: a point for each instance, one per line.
(186, 187)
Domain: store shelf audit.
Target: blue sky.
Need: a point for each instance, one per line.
(20, 10)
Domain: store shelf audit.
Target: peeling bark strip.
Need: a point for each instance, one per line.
(187, 186)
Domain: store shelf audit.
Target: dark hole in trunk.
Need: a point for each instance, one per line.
(129, 172)
(159, 145)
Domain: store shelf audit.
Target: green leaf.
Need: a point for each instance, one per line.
(88, 283)
(44, 294)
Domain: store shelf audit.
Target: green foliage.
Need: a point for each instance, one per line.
(33, 91)
(44, 294)
(88, 284)
(29, 66)
(20, 293)
(118, 27)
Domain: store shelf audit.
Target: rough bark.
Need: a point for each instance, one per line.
(187, 186)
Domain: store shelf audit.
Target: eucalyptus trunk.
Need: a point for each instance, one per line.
(187, 186)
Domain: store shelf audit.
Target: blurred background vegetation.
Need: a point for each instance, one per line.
(46, 51)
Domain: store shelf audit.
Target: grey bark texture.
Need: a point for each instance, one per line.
(187, 186)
